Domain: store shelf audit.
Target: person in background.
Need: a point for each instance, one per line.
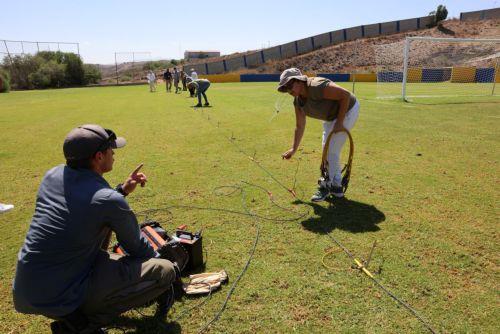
(322, 99)
(200, 86)
(183, 78)
(167, 76)
(176, 80)
(151, 81)
(194, 75)
(64, 271)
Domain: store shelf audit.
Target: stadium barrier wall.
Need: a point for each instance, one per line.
(408, 25)
(485, 75)
(315, 42)
(288, 50)
(322, 40)
(463, 74)
(414, 75)
(199, 68)
(235, 63)
(389, 76)
(431, 75)
(363, 77)
(215, 67)
(273, 53)
(371, 30)
(353, 33)
(388, 28)
(305, 45)
(259, 77)
(435, 74)
(486, 14)
(336, 77)
(424, 22)
(337, 36)
(254, 59)
(220, 78)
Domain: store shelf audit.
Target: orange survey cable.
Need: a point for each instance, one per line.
(347, 168)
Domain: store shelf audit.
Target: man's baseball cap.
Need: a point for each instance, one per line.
(289, 74)
(86, 140)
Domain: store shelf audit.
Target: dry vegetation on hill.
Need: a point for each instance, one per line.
(360, 55)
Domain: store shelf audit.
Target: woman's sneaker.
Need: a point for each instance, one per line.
(321, 194)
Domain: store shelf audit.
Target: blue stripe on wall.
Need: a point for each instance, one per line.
(260, 78)
(262, 56)
(312, 41)
(337, 77)
(245, 60)
(206, 68)
(296, 47)
(397, 26)
(418, 22)
(485, 74)
(281, 53)
(225, 66)
(390, 76)
(433, 75)
(363, 31)
(331, 37)
(380, 28)
(345, 35)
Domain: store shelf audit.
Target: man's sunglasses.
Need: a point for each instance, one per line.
(107, 143)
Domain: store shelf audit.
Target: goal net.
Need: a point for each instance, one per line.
(424, 67)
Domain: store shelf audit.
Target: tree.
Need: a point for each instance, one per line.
(75, 75)
(440, 14)
(92, 74)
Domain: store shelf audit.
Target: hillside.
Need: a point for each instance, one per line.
(361, 55)
(367, 54)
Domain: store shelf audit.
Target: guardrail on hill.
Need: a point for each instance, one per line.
(309, 44)
(485, 14)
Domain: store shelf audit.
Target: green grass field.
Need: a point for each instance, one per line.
(424, 186)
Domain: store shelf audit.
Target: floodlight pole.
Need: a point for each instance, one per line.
(405, 68)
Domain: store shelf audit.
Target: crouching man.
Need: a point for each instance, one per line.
(200, 86)
(64, 271)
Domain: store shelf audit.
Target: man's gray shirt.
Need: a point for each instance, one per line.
(75, 208)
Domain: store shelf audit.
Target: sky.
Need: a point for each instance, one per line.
(166, 29)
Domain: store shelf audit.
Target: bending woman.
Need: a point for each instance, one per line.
(322, 99)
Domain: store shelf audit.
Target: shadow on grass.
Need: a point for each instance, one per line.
(344, 214)
(145, 325)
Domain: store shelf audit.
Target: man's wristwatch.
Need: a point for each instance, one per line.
(119, 188)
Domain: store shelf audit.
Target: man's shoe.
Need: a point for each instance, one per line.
(337, 191)
(165, 302)
(206, 104)
(198, 105)
(321, 194)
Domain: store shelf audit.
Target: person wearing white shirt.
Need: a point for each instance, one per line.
(151, 81)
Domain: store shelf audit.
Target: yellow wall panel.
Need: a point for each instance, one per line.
(463, 74)
(414, 75)
(221, 77)
(364, 77)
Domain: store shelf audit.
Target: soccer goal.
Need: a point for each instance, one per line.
(426, 67)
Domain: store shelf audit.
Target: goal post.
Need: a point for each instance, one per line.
(425, 67)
